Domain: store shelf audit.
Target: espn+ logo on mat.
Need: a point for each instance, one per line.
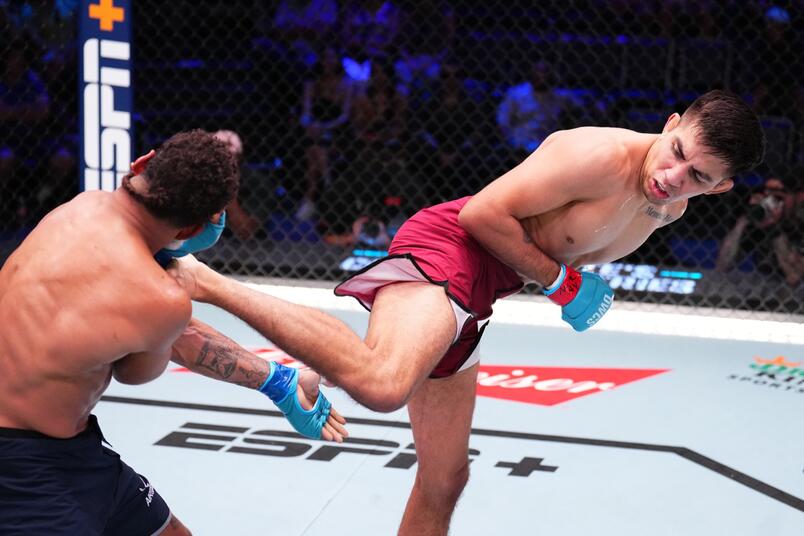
(105, 93)
(545, 386)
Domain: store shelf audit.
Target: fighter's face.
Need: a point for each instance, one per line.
(681, 167)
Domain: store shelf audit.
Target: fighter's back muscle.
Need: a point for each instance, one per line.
(79, 293)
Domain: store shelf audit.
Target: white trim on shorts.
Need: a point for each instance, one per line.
(403, 269)
(164, 525)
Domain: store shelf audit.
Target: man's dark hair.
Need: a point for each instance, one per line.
(729, 129)
(192, 176)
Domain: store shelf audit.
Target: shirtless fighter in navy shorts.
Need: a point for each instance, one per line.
(82, 301)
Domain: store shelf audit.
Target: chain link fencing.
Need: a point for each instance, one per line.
(350, 116)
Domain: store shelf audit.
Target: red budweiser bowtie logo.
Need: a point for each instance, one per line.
(548, 386)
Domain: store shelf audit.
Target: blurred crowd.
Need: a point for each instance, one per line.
(349, 115)
(38, 114)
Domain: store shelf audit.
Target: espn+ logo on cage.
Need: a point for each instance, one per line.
(105, 93)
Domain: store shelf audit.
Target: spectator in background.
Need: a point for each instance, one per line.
(377, 165)
(530, 111)
(688, 18)
(24, 108)
(427, 32)
(292, 34)
(449, 130)
(55, 181)
(368, 231)
(326, 106)
(44, 166)
(298, 28)
(56, 22)
(769, 229)
(238, 219)
(380, 111)
(789, 245)
(775, 72)
(370, 30)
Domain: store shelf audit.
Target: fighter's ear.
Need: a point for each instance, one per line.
(672, 122)
(722, 187)
(138, 166)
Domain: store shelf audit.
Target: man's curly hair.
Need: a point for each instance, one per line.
(192, 176)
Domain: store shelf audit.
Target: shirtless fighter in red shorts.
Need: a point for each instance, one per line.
(585, 196)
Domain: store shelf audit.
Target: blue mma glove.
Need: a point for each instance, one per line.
(584, 297)
(280, 387)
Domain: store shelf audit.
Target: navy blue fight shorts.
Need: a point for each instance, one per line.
(73, 487)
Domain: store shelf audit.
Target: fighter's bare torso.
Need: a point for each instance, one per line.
(603, 228)
(72, 297)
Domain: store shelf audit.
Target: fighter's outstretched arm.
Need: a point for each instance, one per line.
(206, 351)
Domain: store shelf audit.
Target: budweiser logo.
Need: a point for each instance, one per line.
(546, 386)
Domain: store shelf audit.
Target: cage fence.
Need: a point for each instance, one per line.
(349, 116)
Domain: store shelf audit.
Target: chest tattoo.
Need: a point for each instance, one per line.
(653, 213)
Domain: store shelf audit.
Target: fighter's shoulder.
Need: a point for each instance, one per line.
(604, 143)
(151, 291)
(164, 285)
(601, 150)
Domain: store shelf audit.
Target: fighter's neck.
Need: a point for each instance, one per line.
(155, 232)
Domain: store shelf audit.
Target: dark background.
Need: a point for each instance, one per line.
(433, 130)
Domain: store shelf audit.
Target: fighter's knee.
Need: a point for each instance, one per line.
(379, 385)
(383, 396)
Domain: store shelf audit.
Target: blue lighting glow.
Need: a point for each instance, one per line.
(369, 253)
(681, 275)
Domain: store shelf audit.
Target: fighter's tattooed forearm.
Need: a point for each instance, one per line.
(222, 359)
(206, 351)
(653, 213)
(215, 359)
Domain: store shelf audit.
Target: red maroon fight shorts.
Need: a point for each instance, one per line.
(431, 246)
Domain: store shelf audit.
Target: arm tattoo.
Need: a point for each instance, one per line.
(227, 361)
(205, 351)
(219, 363)
(653, 213)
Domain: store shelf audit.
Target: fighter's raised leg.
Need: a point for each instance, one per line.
(412, 325)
